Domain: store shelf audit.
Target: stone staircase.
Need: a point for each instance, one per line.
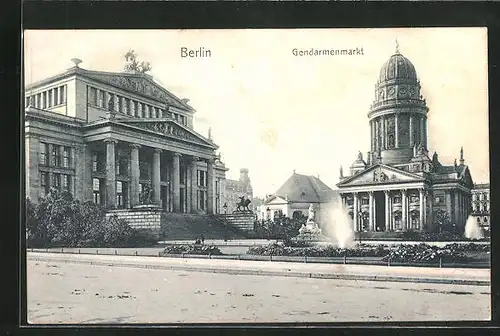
(180, 226)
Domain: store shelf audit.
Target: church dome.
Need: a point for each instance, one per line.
(397, 67)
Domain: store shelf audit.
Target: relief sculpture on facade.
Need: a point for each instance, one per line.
(171, 130)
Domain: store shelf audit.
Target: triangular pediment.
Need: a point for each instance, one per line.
(138, 83)
(380, 174)
(276, 200)
(169, 128)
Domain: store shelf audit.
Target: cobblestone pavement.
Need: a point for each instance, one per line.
(79, 293)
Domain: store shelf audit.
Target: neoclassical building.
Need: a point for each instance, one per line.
(118, 139)
(397, 186)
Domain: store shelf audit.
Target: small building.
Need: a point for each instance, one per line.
(481, 205)
(295, 196)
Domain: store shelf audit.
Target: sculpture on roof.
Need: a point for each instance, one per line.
(132, 64)
(360, 156)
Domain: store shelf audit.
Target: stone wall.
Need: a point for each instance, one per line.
(241, 221)
(140, 218)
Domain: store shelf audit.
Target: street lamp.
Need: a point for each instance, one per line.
(360, 215)
(225, 219)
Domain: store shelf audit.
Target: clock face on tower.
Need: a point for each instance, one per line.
(402, 91)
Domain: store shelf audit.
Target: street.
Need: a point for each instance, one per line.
(78, 293)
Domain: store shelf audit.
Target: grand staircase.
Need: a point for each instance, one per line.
(180, 226)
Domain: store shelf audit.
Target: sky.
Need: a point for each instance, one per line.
(273, 112)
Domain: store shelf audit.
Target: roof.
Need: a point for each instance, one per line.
(305, 188)
(481, 185)
(141, 83)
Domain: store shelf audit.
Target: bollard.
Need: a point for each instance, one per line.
(116, 252)
(440, 262)
(345, 258)
(305, 258)
(389, 262)
(78, 251)
(271, 257)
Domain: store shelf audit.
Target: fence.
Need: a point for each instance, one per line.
(373, 261)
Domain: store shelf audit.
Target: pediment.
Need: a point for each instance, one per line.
(276, 200)
(138, 83)
(169, 128)
(380, 174)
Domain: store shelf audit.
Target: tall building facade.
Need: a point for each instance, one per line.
(398, 187)
(120, 140)
(481, 205)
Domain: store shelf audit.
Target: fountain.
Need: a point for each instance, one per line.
(339, 232)
(310, 231)
(472, 229)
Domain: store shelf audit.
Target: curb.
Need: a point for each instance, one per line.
(332, 276)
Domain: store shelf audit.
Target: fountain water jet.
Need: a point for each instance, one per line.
(472, 229)
(341, 226)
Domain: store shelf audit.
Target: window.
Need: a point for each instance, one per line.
(182, 174)
(49, 100)
(62, 94)
(44, 182)
(201, 199)
(66, 182)
(94, 162)
(56, 155)
(438, 200)
(27, 102)
(365, 201)
(38, 99)
(56, 181)
(201, 178)
(66, 157)
(485, 197)
(397, 199)
(119, 194)
(44, 98)
(44, 150)
(93, 99)
(96, 188)
(100, 99)
(56, 96)
(413, 198)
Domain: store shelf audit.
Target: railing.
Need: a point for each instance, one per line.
(372, 261)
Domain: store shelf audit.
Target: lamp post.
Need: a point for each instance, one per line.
(360, 215)
(268, 221)
(225, 219)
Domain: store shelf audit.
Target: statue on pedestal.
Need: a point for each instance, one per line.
(242, 205)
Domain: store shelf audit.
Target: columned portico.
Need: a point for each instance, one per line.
(110, 172)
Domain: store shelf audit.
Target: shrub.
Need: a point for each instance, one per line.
(192, 249)
(59, 220)
(424, 253)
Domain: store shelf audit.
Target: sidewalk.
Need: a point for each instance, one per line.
(457, 276)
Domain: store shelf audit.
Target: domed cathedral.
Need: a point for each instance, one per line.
(399, 187)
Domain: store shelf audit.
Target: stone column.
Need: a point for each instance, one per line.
(139, 110)
(384, 131)
(396, 131)
(387, 211)
(210, 186)
(456, 208)
(411, 132)
(84, 174)
(355, 212)
(421, 208)
(134, 174)
(404, 209)
(32, 157)
(176, 182)
(371, 212)
(155, 178)
(372, 135)
(424, 226)
(110, 172)
(124, 108)
(194, 184)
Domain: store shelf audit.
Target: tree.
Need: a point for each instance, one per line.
(132, 64)
(442, 221)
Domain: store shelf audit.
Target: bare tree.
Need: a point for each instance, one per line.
(133, 65)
